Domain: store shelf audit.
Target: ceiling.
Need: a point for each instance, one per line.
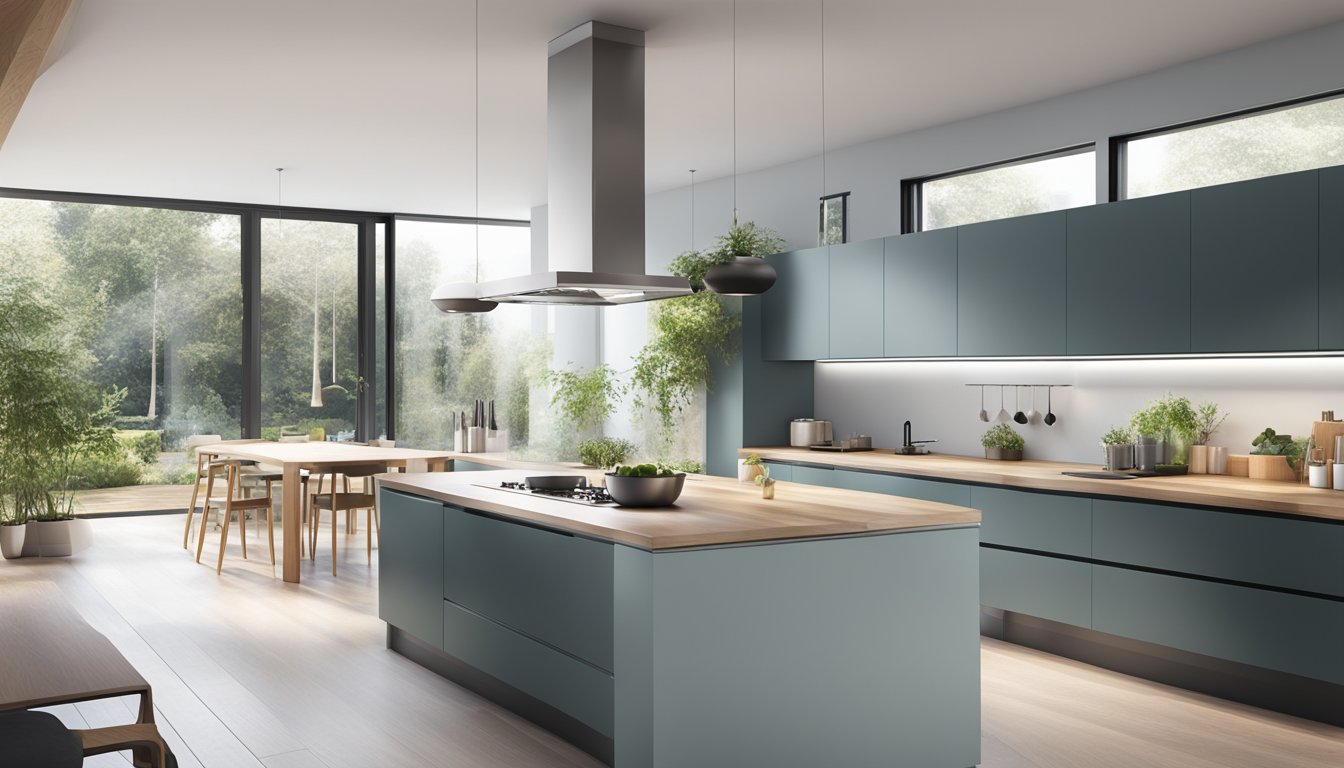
(368, 105)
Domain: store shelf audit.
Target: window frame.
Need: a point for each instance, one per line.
(1117, 151)
(912, 198)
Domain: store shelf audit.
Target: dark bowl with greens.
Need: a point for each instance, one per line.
(644, 485)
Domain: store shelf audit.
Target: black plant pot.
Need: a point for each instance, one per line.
(743, 276)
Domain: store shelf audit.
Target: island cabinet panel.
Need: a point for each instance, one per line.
(1253, 247)
(1036, 585)
(1279, 552)
(579, 690)
(461, 465)
(921, 294)
(856, 300)
(1011, 287)
(908, 487)
(1129, 277)
(410, 585)
(1037, 521)
(551, 586)
(823, 476)
(780, 470)
(795, 312)
(1332, 258)
(1291, 633)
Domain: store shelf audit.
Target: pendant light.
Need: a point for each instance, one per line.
(744, 275)
(462, 298)
(315, 401)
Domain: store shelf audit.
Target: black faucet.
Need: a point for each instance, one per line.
(908, 445)
(906, 435)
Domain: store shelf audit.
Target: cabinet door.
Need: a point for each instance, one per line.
(921, 294)
(1254, 265)
(823, 476)
(410, 565)
(795, 312)
(1035, 585)
(1010, 287)
(1129, 277)
(908, 487)
(1332, 258)
(1044, 522)
(856, 300)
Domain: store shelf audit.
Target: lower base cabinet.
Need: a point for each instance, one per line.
(1036, 585)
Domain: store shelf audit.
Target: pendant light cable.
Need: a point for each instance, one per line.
(734, 28)
(823, 98)
(692, 209)
(476, 158)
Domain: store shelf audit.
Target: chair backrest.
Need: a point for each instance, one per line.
(293, 438)
(195, 440)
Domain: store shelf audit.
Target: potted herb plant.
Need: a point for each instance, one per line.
(750, 468)
(766, 482)
(1003, 443)
(1164, 431)
(1275, 456)
(1118, 445)
(1207, 422)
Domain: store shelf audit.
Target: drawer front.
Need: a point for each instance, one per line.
(780, 471)
(823, 476)
(1296, 554)
(410, 566)
(1039, 521)
(552, 586)
(1290, 633)
(1035, 585)
(909, 487)
(583, 692)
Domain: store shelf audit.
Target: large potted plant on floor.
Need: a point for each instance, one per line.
(49, 418)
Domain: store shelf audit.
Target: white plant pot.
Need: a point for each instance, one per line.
(31, 545)
(62, 538)
(11, 540)
(747, 473)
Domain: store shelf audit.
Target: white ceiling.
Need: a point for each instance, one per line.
(369, 104)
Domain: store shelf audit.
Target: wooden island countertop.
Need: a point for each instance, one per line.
(711, 510)
(1223, 491)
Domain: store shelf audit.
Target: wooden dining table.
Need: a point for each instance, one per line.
(315, 457)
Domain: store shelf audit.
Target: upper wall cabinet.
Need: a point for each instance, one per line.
(1010, 287)
(1129, 277)
(795, 312)
(1331, 294)
(856, 300)
(1254, 265)
(921, 294)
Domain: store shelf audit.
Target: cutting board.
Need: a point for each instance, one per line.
(1324, 433)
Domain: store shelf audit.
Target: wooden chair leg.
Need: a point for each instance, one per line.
(224, 535)
(191, 508)
(333, 533)
(205, 515)
(270, 522)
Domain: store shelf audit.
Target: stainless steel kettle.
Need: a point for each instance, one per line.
(805, 432)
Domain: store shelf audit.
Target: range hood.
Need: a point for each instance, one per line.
(595, 177)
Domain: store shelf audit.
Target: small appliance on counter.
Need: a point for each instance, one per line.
(804, 433)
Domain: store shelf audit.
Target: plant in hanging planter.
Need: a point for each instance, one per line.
(737, 267)
(1003, 443)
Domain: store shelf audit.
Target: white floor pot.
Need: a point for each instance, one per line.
(11, 540)
(31, 545)
(61, 538)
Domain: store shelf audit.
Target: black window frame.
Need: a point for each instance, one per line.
(912, 208)
(1116, 160)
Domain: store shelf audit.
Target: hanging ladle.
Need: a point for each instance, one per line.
(1049, 407)
(1033, 415)
(984, 415)
(1003, 414)
(1019, 417)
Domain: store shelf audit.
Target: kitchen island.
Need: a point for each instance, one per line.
(824, 627)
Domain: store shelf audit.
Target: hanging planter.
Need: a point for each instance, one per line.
(739, 268)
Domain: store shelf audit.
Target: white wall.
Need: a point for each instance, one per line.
(877, 397)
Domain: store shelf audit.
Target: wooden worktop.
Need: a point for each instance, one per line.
(1205, 490)
(710, 511)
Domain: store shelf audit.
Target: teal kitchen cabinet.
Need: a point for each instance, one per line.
(410, 585)
(856, 300)
(1254, 262)
(1036, 585)
(909, 487)
(1129, 277)
(822, 476)
(1011, 287)
(795, 312)
(1331, 295)
(920, 294)
(1043, 522)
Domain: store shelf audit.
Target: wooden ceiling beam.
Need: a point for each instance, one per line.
(27, 30)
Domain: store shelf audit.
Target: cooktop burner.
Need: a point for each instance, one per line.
(595, 497)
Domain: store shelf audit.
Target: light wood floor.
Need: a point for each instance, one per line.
(249, 671)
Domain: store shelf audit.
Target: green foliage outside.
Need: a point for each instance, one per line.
(1003, 437)
(144, 446)
(605, 451)
(585, 399)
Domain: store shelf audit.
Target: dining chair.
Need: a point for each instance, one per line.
(238, 500)
(346, 501)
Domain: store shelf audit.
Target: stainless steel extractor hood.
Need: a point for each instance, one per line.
(595, 177)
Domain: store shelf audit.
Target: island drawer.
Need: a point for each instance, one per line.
(410, 584)
(1291, 633)
(579, 690)
(1279, 552)
(1036, 585)
(908, 487)
(551, 586)
(1039, 521)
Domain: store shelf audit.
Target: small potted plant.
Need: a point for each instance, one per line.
(1002, 443)
(1164, 431)
(1118, 445)
(1207, 422)
(1275, 456)
(766, 482)
(750, 468)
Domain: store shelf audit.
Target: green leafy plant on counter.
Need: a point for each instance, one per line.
(1117, 436)
(764, 478)
(1207, 422)
(644, 470)
(605, 451)
(586, 398)
(753, 460)
(1171, 420)
(1271, 443)
(1003, 437)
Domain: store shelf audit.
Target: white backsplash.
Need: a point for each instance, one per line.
(875, 398)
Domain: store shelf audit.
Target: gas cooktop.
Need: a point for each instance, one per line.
(593, 497)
